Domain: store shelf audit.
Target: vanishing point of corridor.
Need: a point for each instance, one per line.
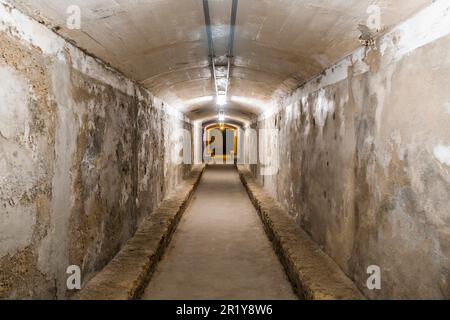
(220, 250)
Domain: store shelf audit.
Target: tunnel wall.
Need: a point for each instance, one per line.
(365, 159)
(85, 154)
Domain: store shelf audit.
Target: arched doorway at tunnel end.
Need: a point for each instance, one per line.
(220, 143)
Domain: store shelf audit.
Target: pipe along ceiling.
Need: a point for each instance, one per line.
(221, 66)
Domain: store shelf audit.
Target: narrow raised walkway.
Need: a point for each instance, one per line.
(220, 249)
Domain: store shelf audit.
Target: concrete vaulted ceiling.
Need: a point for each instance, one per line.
(163, 43)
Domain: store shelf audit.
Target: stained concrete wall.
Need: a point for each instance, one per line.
(365, 159)
(84, 156)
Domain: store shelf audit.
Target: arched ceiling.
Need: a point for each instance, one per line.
(163, 43)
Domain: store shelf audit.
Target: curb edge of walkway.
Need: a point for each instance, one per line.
(127, 275)
(313, 274)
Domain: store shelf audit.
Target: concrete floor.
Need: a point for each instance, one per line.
(220, 250)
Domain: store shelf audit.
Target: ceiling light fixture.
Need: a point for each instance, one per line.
(222, 98)
(221, 116)
(221, 66)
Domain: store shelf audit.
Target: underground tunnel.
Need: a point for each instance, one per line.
(224, 150)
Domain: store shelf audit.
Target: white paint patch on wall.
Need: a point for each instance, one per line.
(427, 26)
(31, 31)
(447, 107)
(168, 109)
(442, 153)
(16, 229)
(332, 75)
(322, 108)
(198, 142)
(17, 177)
(17, 174)
(99, 71)
(14, 94)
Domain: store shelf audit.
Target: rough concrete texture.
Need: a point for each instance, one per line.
(364, 159)
(127, 275)
(315, 275)
(220, 250)
(86, 153)
(77, 159)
